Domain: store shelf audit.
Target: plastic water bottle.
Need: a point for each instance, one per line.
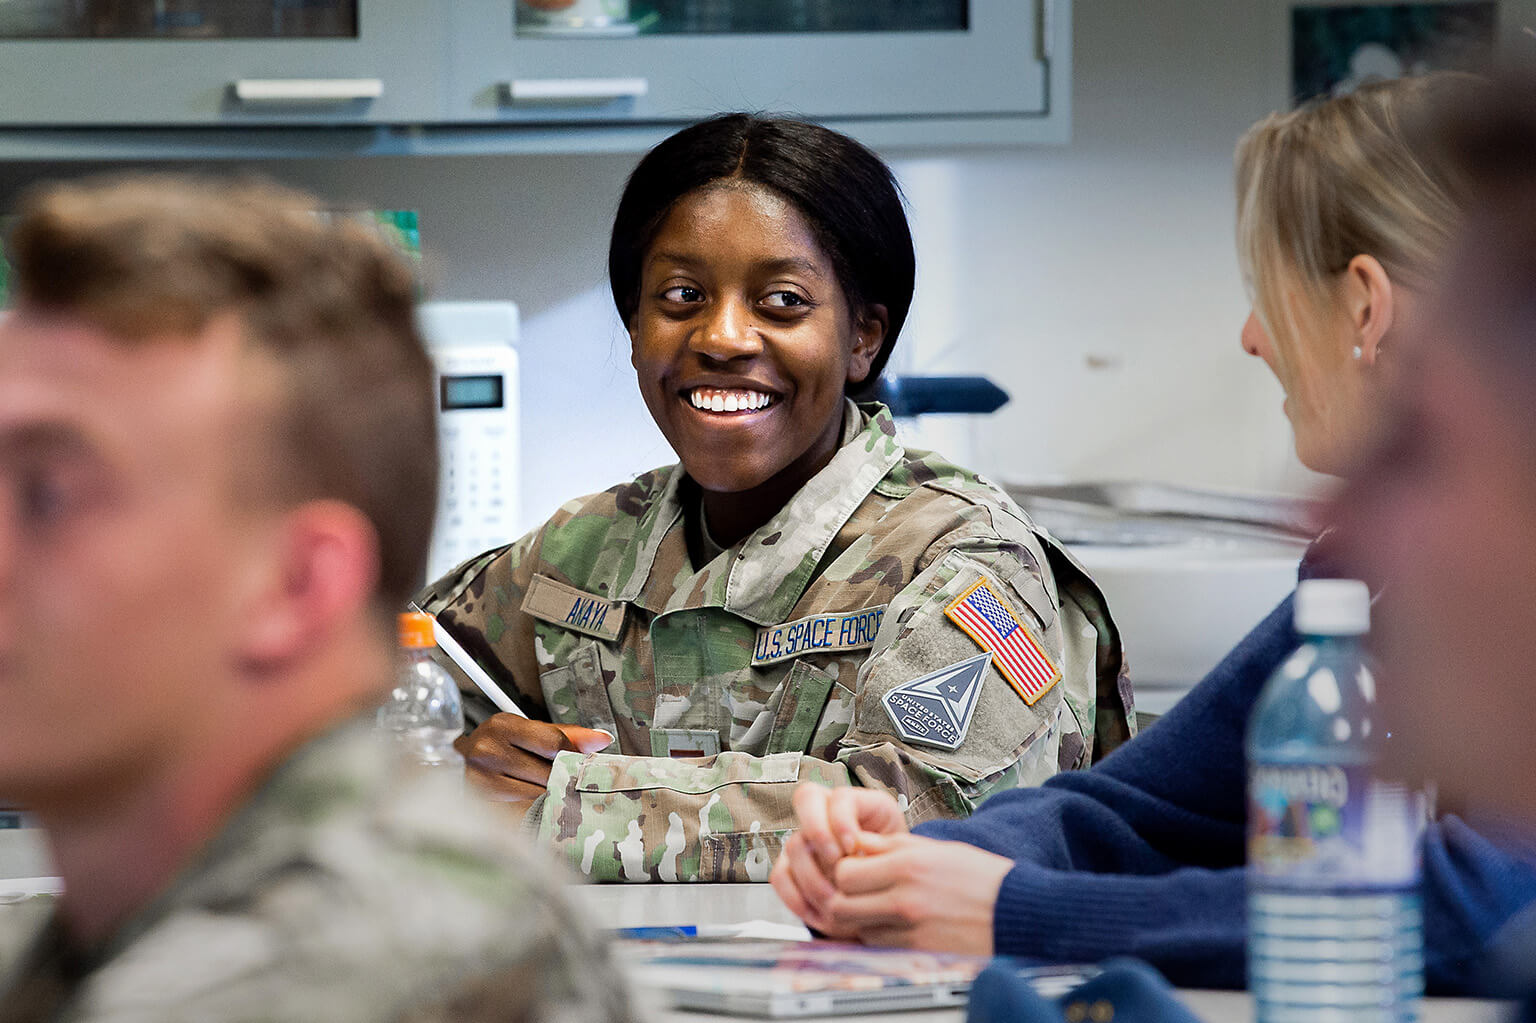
(1334, 924)
(423, 715)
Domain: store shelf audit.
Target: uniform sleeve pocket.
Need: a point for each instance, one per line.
(741, 856)
(613, 773)
(997, 725)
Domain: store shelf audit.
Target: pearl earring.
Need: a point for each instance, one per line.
(1358, 353)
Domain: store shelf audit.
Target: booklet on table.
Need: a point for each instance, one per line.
(786, 979)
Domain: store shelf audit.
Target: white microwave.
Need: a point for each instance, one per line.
(474, 348)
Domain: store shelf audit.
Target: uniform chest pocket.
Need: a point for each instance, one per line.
(814, 713)
(577, 692)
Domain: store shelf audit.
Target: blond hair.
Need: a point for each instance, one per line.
(1343, 177)
(147, 257)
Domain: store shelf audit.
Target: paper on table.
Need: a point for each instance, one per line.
(767, 930)
(770, 930)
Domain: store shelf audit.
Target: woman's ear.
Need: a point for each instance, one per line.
(1369, 298)
(869, 330)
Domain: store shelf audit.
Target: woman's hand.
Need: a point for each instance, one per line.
(916, 892)
(509, 757)
(853, 872)
(833, 823)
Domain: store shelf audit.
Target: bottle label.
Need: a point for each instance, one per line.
(1334, 824)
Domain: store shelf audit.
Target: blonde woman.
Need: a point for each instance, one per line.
(1342, 216)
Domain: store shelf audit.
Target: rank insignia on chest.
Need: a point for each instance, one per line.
(986, 619)
(936, 709)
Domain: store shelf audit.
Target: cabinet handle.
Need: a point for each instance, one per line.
(573, 90)
(307, 90)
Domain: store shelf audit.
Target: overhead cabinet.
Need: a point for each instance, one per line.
(920, 59)
(217, 62)
(543, 71)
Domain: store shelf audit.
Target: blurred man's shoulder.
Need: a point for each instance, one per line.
(344, 894)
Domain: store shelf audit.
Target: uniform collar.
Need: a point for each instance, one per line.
(763, 576)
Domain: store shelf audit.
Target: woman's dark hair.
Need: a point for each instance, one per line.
(845, 192)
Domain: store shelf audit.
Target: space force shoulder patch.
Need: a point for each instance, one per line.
(554, 602)
(936, 710)
(832, 633)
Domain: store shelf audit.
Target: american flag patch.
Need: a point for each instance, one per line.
(987, 620)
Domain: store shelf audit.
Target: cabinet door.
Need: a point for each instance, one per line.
(678, 60)
(227, 62)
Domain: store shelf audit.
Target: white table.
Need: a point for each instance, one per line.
(662, 905)
(671, 905)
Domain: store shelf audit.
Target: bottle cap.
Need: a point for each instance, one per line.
(1333, 607)
(416, 631)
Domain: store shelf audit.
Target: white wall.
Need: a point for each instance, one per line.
(1094, 281)
(1097, 281)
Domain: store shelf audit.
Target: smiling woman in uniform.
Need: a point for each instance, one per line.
(800, 598)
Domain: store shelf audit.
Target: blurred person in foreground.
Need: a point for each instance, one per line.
(217, 474)
(1343, 213)
(1445, 506)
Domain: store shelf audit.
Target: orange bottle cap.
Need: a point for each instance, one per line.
(416, 631)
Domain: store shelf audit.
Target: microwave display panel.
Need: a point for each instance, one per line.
(468, 392)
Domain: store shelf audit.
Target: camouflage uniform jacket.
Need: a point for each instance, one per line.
(336, 893)
(772, 662)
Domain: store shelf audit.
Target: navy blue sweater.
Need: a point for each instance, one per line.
(1143, 854)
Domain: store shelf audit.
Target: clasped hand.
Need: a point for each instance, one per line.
(853, 872)
(509, 757)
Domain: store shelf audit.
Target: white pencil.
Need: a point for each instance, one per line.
(458, 655)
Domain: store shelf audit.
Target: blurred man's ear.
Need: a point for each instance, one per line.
(326, 570)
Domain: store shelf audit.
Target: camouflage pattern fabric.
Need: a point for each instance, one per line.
(343, 893)
(767, 666)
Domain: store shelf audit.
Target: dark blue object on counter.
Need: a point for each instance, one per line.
(919, 395)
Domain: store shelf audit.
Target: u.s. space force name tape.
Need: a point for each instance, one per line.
(831, 633)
